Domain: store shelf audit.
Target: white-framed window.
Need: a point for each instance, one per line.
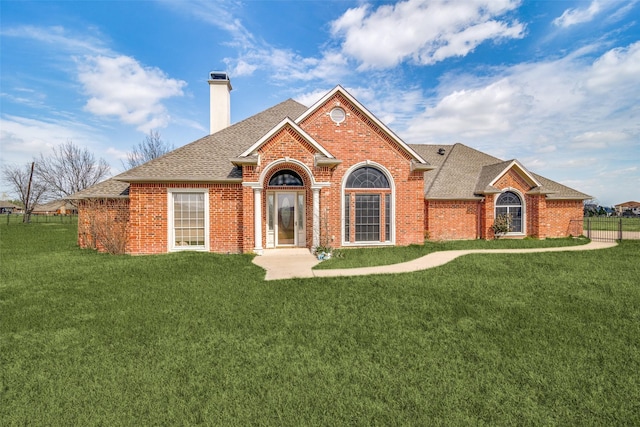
(368, 206)
(510, 203)
(188, 219)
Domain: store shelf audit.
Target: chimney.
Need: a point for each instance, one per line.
(219, 101)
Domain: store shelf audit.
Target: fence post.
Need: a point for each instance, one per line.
(588, 228)
(620, 229)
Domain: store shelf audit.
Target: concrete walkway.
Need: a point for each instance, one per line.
(291, 263)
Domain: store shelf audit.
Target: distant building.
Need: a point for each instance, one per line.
(56, 207)
(7, 207)
(628, 207)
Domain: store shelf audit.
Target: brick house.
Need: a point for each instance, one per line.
(331, 175)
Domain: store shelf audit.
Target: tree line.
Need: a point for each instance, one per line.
(69, 169)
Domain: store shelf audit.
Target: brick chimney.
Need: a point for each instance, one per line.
(219, 101)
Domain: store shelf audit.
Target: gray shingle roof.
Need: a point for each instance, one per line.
(463, 173)
(209, 159)
(460, 172)
(110, 188)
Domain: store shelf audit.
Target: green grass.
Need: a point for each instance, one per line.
(193, 338)
(369, 257)
(612, 223)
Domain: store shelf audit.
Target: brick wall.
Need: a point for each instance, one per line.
(453, 219)
(103, 224)
(564, 218)
(149, 228)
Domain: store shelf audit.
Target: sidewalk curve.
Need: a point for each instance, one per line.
(292, 263)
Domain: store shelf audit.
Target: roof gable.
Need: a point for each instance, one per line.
(463, 173)
(355, 103)
(297, 129)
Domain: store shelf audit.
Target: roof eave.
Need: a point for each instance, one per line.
(421, 167)
(181, 179)
(474, 198)
(245, 161)
(325, 162)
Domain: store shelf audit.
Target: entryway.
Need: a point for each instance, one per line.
(286, 219)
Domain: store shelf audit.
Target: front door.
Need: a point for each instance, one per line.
(285, 219)
(286, 223)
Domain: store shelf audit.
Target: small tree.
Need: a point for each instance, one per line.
(27, 186)
(150, 148)
(502, 225)
(70, 169)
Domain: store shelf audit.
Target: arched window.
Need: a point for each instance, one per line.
(285, 177)
(367, 177)
(509, 203)
(367, 206)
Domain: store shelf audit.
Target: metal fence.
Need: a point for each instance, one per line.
(611, 228)
(18, 218)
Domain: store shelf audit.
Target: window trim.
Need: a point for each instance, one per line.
(523, 210)
(170, 220)
(391, 190)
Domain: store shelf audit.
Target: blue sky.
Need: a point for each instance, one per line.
(555, 84)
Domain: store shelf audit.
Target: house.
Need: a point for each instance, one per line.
(55, 207)
(628, 208)
(7, 207)
(331, 174)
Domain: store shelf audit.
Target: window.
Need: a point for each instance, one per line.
(285, 178)
(366, 189)
(367, 217)
(337, 115)
(367, 177)
(188, 220)
(509, 203)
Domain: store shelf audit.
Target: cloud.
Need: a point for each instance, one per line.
(63, 39)
(618, 68)
(578, 16)
(121, 87)
(488, 110)
(23, 138)
(424, 32)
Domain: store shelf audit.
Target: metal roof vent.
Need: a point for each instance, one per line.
(441, 151)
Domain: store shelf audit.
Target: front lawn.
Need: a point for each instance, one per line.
(194, 338)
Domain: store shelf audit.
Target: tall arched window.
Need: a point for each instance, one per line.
(367, 206)
(509, 203)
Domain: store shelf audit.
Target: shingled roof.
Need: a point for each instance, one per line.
(111, 188)
(209, 159)
(459, 172)
(463, 173)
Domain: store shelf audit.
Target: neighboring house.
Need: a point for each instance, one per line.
(331, 175)
(55, 207)
(7, 207)
(628, 208)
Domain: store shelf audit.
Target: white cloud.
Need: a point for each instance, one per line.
(23, 138)
(121, 87)
(423, 31)
(578, 16)
(61, 38)
(489, 110)
(618, 68)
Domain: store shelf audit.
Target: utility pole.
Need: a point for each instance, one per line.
(27, 212)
